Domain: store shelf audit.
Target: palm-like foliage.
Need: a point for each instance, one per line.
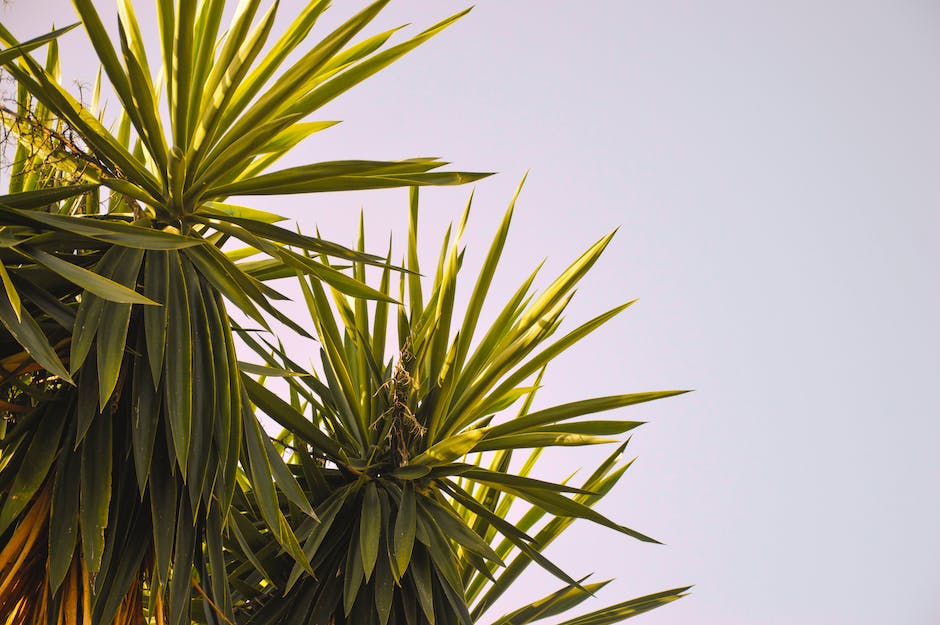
(122, 462)
(410, 530)
(136, 480)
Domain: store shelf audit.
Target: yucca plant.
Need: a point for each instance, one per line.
(408, 456)
(126, 436)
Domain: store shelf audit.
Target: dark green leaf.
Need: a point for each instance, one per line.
(287, 417)
(112, 329)
(27, 333)
(421, 574)
(405, 526)
(63, 516)
(116, 232)
(370, 527)
(455, 529)
(89, 280)
(35, 467)
(352, 575)
(145, 417)
(38, 198)
(179, 363)
(96, 489)
(156, 285)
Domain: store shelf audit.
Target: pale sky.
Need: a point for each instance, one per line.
(774, 168)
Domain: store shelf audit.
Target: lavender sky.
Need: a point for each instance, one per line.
(774, 168)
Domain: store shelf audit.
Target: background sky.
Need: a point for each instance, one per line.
(774, 168)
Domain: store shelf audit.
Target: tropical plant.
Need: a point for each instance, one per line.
(130, 441)
(407, 457)
(137, 483)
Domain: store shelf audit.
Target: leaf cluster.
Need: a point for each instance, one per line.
(137, 483)
(407, 456)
